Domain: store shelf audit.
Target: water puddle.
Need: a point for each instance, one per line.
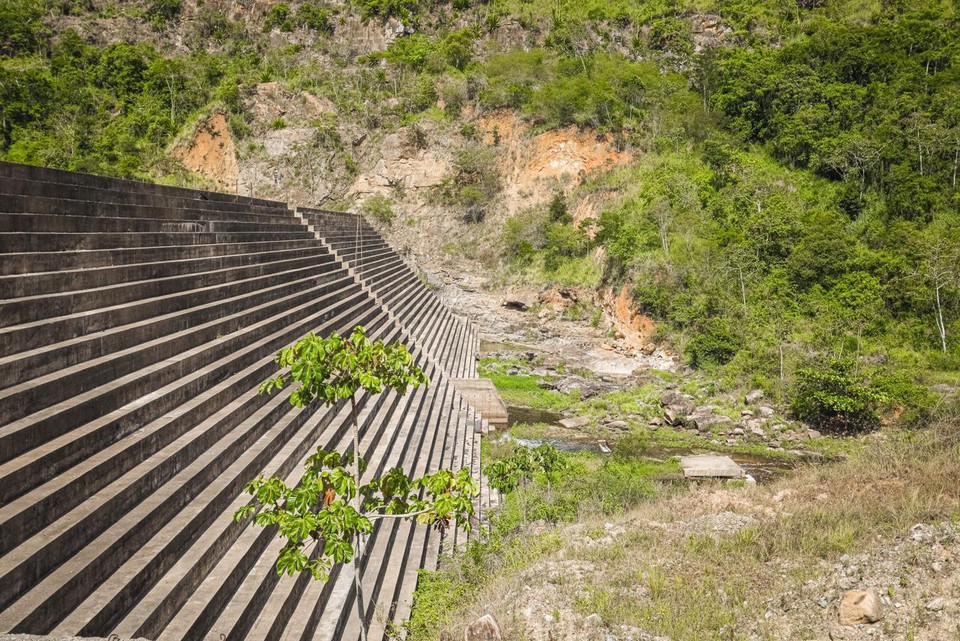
(530, 416)
(563, 445)
(764, 470)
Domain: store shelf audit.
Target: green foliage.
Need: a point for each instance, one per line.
(323, 517)
(21, 27)
(386, 8)
(335, 368)
(379, 208)
(318, 523)
(509, 473)
(279, 17)
(161, 12)
(833, 399)
(473, 185)
(713, 343)
(313, 17)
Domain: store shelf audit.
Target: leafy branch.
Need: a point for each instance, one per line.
(324, 517)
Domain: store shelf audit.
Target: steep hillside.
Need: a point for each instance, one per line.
(774, 186)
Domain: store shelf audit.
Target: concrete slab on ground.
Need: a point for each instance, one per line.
(710, 466)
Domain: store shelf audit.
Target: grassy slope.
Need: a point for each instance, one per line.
(730, 563)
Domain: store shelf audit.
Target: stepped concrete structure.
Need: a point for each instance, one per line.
(136, 322)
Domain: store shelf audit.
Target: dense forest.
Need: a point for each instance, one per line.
(792, 219)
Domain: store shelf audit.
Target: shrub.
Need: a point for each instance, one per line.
(162, 11)
(310, 16)
(831, 398)
(379, 208)
(714, 343)
(278, 17)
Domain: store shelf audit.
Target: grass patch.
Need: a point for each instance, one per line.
(691, 582)
(524, 390)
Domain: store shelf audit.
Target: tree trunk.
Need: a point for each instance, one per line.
(940, 325)
(743, 291)
(780, 348)
(356, 505)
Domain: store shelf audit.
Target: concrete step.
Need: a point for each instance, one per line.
(383, 435)
(47, 551)
(16, 242)
(12, 203)
(15, 222)
(36, 284)
(31, 395)
(145, 394)
(156, 198)
(27, 309)
(340, 617)
(39, 262)
(60, 177)
(52, 357)
(46, 331)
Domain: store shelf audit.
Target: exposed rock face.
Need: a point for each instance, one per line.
(401, 164)
(753, 396)
(531, 165)
(860, 606)
(635, 328)
(483, 629)
(210, 152)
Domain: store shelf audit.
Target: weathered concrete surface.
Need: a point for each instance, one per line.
(710, 466)
(482, 395)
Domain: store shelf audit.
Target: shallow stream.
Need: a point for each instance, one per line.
(763, 469)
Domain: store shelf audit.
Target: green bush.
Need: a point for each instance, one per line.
(833, 399)
(714, 343)
(379, 208)
(161, 12)
(310, 16)
(278, 17)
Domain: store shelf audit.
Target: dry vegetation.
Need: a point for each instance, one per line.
(768, 562)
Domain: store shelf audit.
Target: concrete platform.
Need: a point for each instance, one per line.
(710, 466)
(482, 395)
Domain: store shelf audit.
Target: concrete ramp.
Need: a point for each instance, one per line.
(481, 394)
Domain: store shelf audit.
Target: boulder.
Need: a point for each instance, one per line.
(753, 396)
(671, 397)
(575, 422)
(704, 422)
(766, 411)
(618, 425)
(671, 416)
(483, 629)
(860, 606)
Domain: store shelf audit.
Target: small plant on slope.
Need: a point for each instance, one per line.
(324, 517)
(509, 473)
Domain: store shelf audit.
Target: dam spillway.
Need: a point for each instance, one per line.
(136, 323)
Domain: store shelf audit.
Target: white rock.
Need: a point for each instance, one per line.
(593, 621)
(483, 629)
(860, 606)
(937, 604)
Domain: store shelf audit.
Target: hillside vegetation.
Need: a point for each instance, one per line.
(791, 218)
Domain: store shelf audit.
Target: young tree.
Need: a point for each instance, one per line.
(324, 518)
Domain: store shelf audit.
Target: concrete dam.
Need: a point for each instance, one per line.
(136, 323)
